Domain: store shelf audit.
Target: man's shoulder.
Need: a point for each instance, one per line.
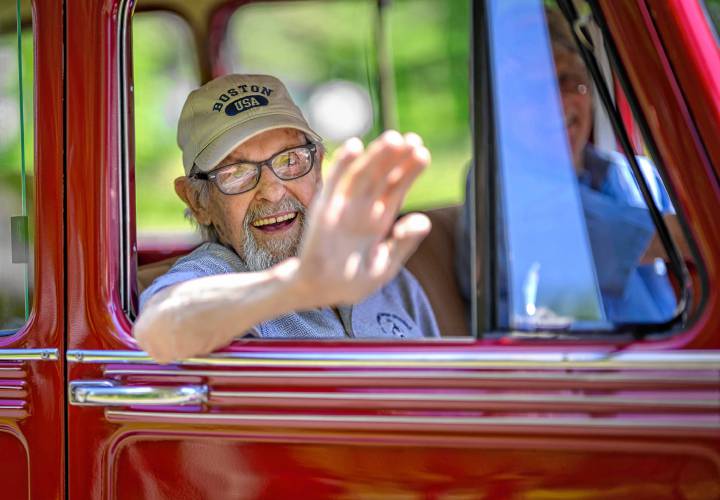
(404, 291)
(208, 259)
(404, 281)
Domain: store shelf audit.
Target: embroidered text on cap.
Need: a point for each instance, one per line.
(235, 92)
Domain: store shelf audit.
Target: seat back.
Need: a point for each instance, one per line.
(433, 264)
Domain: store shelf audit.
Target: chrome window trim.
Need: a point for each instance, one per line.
(679, 360)
(706, 403)
(29, 355)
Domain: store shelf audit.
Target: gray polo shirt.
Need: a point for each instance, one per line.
(398, 310)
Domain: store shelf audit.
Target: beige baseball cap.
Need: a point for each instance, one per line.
(229, 110)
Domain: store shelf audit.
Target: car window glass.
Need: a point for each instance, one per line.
(165, 71)
(16, 180)
(549, 268)
(578, 247)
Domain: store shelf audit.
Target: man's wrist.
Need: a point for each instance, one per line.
(297, 293)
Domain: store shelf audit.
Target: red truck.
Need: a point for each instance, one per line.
(491, 410)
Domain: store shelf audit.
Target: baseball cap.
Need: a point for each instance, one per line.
(229, 110)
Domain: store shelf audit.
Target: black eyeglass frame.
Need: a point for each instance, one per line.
(212, 175)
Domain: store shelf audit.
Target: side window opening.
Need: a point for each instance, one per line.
(326, 54)
(16, 179)
(165, 70)
(578, 246)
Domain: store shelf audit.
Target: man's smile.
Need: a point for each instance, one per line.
(276, 222)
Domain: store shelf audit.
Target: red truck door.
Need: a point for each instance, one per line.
(32, 385)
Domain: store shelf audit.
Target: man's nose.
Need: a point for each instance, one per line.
(269, 187)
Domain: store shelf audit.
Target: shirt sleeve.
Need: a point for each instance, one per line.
(619, 235)
(206, 260)
(161, 282)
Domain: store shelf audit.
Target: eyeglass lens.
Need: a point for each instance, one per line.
(286, 165)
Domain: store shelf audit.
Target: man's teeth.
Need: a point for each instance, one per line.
(274, 220)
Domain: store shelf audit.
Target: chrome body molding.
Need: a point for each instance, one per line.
(700, 377)
(707, 402)
(660, 360)
(404, 422)
(29, 355)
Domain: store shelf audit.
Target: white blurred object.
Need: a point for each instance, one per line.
(10, 123)
(339, 110)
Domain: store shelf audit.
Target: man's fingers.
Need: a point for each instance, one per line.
(411, 226)
(392, 254)
(402, 178)
(368, 175)
(413, 139)
(341, 161)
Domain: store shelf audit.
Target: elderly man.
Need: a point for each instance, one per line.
(285, 256)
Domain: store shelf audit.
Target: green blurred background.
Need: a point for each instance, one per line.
(307, 44)
(304, 43)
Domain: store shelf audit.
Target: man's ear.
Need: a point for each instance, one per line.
(191, 198)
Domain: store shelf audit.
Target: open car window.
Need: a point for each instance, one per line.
(354, 68)
(165, 70)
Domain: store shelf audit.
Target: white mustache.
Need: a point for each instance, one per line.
(288, 204)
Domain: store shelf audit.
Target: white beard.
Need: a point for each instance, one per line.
(258, 257)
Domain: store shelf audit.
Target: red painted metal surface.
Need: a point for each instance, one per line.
(93, 171)
(93, 218)
(689, 171)
(321, 429)
(693, 51)
(32, 460)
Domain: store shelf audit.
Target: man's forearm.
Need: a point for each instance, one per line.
(199, 316)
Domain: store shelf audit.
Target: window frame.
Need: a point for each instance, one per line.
(489, 220)
(483, 141)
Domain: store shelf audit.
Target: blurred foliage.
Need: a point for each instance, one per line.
(713, 8)
(306, 44)
(9, 99)
(165, 71)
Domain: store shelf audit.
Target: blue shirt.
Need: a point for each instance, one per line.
(398, 310)
(619, 229)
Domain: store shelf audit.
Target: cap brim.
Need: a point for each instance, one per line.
(226, 142)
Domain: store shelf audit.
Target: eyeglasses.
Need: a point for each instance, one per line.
(572, 84)
(240, 177)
